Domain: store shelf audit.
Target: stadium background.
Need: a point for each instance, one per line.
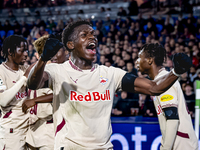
(121, 27)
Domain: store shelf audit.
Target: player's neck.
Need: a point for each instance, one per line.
(12, 65)
(155, 70)
(82, 64)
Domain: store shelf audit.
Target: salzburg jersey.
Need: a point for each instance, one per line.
(41, 129)
(82, 104)
(173, 97)
(13, 122)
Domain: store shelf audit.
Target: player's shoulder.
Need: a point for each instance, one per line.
(2, 69)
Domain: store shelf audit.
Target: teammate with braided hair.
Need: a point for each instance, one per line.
(84, 91)
(174, 119)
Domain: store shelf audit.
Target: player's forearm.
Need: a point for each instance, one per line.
(9, 94)
(163, 84)
(44, 99)
(170, 134)
(36, 74)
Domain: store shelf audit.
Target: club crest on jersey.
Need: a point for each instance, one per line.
(166, 98)
(2, 87)
(1, 82)
(103, 80)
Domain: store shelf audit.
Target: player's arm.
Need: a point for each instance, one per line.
(171, 114)
(41, 99)
(7, 95)
(37, 77)
(131, 83)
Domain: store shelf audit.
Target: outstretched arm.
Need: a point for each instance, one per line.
(41, 99)
(131, 83)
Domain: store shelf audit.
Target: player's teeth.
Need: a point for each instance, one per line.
(91, 44)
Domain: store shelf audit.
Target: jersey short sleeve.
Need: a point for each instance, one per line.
(118, 75)
(169, 98)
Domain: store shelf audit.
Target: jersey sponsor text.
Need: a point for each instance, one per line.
(90, 96)
(166, 98)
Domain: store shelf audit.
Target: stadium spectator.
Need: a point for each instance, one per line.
(133, 8)
(189, 97)
(121, 12)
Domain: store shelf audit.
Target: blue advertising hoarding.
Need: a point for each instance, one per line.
(132, 133)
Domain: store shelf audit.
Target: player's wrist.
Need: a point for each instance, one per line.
(173, 71)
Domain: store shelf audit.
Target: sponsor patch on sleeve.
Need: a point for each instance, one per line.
(166, 98)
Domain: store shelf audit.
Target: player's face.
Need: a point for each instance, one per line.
(60, 57)
(85, 44)
(142, 62)
(21, 54)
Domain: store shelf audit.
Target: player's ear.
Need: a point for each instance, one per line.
(9, 53)
(150, 60)
(70, 45)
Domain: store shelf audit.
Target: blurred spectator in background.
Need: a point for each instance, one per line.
(123, 106)
(41, 32)
(190, 97)
(133, 8)
(121, 12)
(192, 74)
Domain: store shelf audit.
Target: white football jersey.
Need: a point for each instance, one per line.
(174, 97)
(82, 104)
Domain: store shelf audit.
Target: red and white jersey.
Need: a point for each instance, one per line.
(13, 120)
(174, 97)
(41, 129)
(82, 104)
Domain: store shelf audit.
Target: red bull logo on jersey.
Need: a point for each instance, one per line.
(103, 80)
(20, 95)
(90, 96)
(166, 98)
(159, 110)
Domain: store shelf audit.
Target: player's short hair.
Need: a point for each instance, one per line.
(39, 43)
(11, 42)
(155, 51)
(67, 34)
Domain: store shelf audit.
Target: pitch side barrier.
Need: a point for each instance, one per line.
(136, 133)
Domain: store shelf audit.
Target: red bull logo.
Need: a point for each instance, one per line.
(90, 96)
(20, 95)
(103, 80)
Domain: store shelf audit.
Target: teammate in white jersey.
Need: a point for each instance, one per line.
(174, 119)
(13, 76)
(84, 91)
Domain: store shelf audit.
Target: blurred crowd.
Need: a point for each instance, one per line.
(47, 3)
(119, 42)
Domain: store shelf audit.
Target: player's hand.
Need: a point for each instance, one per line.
(51, 47)
(28, 104)
(182, 63)
(29, 69)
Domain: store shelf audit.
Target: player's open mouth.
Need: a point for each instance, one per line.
(91, 48)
